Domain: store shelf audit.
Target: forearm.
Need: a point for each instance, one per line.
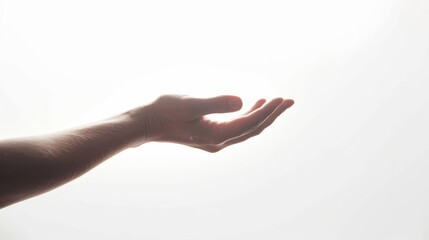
(31, 166)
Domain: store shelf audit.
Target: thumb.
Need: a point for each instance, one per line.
(219, 104)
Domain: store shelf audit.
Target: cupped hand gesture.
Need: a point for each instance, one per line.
(183, 120)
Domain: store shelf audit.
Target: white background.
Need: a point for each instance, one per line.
(350, 160)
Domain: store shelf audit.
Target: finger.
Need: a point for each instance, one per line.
(247, 123)
(257, 105)
(279, 110)
(220, 104)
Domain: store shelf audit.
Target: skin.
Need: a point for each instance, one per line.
(34, 165)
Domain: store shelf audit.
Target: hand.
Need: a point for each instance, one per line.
(182, 119)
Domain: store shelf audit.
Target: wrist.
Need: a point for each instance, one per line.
(142, 125)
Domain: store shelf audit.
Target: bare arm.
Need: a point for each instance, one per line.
(34, 165)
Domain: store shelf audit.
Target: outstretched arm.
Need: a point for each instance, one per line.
(34, 165)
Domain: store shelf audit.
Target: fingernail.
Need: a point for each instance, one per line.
(234, 104)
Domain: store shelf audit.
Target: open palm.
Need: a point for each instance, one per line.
(183, 119)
